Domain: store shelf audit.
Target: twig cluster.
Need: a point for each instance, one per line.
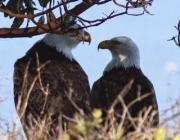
(90, 127)
(171, 119)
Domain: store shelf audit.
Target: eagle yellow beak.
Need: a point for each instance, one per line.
(84, 36)
(106, 44)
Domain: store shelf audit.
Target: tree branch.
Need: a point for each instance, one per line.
(41, 29)
(14, 14)
(51, 26)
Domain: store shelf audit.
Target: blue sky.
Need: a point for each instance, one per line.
(160, 60)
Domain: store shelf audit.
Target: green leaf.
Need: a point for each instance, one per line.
(28, 3)
(17, 22)
(30, 9)
(30, 12)
(15, 6)
(44, 3)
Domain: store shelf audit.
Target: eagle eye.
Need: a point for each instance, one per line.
(116, 42)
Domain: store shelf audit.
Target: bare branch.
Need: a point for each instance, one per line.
(174, 37)
(102, 2)
(121, 5)
(138, 4)
(14, 14)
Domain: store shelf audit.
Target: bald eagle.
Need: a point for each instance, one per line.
(123, 84)
(47, 81)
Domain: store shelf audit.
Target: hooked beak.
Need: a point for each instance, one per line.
(84, 36)
(106, 44)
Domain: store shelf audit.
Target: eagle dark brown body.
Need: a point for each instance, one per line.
(59, 77)
(106, 89)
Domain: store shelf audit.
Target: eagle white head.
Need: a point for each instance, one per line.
(125, 53)
(66, 42)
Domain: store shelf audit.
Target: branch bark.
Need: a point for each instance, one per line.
(41, 29)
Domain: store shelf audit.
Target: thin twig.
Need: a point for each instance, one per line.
(69, 95)
(123, 92)
(69, 119)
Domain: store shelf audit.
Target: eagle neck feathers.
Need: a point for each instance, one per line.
(59, 42)
(124, 58)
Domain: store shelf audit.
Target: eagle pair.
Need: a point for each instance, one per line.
(50, 85)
